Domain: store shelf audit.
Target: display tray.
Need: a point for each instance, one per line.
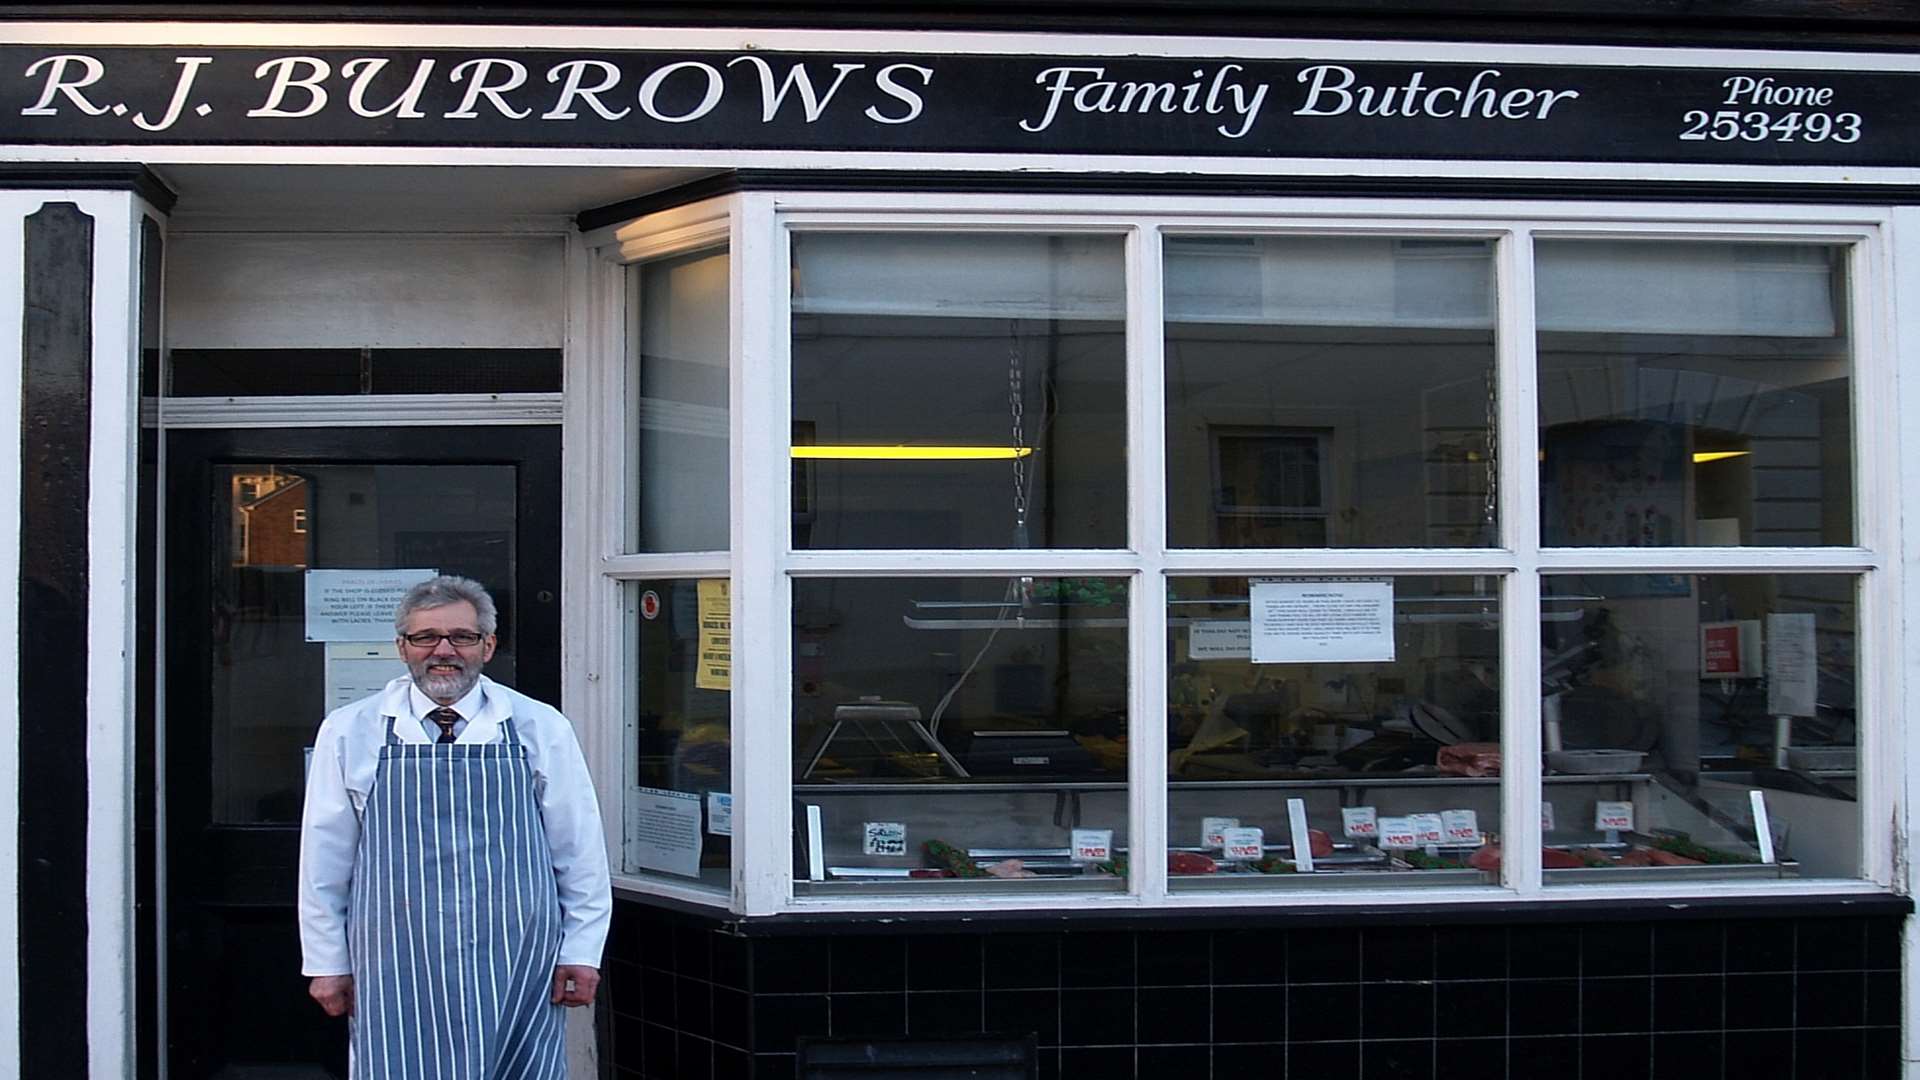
(1598, 875)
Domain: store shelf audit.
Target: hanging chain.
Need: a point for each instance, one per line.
(1017, 411)
(1491, 510)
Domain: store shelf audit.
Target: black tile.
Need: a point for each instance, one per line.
(1016, 1011)
(1151, 1062)
(862, 1016)
(1256, 1014)
(1410, 1059)
(1469, 1059)
(732, 1064)
(1615, 1006)
(1830, 999)
(1687, 1002)
(695, 1059)
(1543, 952)
(1475, 1008)
(1883, 1055)
(659, 995)
(944, 962)
(1543, 1057)
(1316, 1013)
(1175, 1015)
(1248, 957)
(1687, 1057)
(1396, 1010)
(1543, 1007)
(1616, 949)
(773, 1067)
(1760, 945)
(1323, 956)
(1829, 1055)
(731, 1011)
(1832, 945)
(1470, 952)
(1180, 958)
(1396, 953)
(662, 1060)
(1757, 1054)
(1022, 961)
(790, 965)
(1096, 1018)
(1049, 1058)
(1883, 999)
(620, 988)
(1323, 1059)
(691, 955)
(1759, 1001)
(627, 1040)
(1244, 1061)
(1689, 948)
(780, 1022)
(731, 966)
(1882, 944)
(1096, 959)
(1107, 1062)
(1617, 1057)
(693, 1006)
(868, 964)
(943, 1012)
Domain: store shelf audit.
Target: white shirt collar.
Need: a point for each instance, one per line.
(485, 707)
(467, 706)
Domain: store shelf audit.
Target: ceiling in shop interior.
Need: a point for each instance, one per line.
(359, 197)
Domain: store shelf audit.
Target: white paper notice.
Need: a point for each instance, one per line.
(1428, 828)
(1219, 639)
(1092, 845)
(664, 830)
(1791, 683)
(1304, 621)
(720, 813)
(358, 669)
(1244, 845)
(1397, 833)
(1462, 826)
(356, 605)
(1359, 822)
(884, 838)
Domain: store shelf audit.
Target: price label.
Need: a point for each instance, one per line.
(1212, 828)
(1462, 826)
(885, 838)
(1359, 822)
(720, 813)
(1397, 834)
(1613, 816)
(1546, 817)
(1092, 845)
(1244, 845)
(1428, 829)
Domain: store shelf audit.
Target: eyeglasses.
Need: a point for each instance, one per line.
(427, 639)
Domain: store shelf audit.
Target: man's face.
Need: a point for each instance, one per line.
(443, 670)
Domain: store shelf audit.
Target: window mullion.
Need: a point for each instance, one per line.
(1517, 451)
(1147, 609)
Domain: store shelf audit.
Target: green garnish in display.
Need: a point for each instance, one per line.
(947, 857)
(1420, 860)
(1274, 864)
(1687, 849)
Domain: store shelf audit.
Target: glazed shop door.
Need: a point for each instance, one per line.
(284, 548)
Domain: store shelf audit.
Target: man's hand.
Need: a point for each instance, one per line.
(334, 993)
(574, 984)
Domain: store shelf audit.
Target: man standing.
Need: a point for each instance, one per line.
(454, 895)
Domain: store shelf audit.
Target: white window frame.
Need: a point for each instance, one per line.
(763, 568)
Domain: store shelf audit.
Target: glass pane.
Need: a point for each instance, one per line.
(958, 391)
(1694, 394)
(679, 804)
(1368, 706)
(680, 340)
(337, 372)
(1671, 701)
(1329, 392)
(953, 729)
(277, 523)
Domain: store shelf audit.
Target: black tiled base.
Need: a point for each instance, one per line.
(1700, 999)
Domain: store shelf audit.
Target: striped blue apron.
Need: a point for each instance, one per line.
(455, 922)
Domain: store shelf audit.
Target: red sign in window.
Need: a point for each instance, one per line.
(1720, 650)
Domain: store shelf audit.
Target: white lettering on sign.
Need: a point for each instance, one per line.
(1244, 844)
(1334, 90)
(1762, 90)
(1428, 829)
(1213, 828)
(1397, 834)
(1613, 816)
(1359, 822)
(1092, 845)
(1088, 90)
(1462, 826)
(884, 838)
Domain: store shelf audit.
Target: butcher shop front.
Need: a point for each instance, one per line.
(1327, 548)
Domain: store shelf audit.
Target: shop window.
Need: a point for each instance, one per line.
(678, 378)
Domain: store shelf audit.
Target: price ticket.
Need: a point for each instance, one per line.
(1212, 828)
(1359, 822)
(1428, 829)
(1397, 834)
(1243, 844)
(1613, 816)
(1462, 826)
(1092, 845)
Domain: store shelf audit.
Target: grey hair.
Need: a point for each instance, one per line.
(443, 590)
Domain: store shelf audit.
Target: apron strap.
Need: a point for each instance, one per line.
(392, 739)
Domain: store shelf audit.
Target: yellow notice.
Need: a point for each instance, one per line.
(716, 635)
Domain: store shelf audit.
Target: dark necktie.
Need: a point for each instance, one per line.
(446, 718)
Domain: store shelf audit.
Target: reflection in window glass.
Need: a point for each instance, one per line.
(677, 308)
(1366, 701)
(679, 735)
(958, 391)
(1676, 698)
(1693, 394)
(1329, 392)
(974, 723)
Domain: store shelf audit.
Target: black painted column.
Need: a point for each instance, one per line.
(55, 458)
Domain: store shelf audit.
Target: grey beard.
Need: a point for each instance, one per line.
(445, 687)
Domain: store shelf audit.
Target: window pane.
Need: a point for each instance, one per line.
(1694, 394)
(1669, 696)
(1329, 392)
(954, 729)
(958, 391)
(679, 732)
(1367, 701)
(680, 338)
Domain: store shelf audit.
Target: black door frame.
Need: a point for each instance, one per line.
(191, 851)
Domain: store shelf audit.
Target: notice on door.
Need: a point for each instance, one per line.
(663, 830)
(1793, 685)
(358, 669)
(716, 635)
(1319, 620)
(356, 605)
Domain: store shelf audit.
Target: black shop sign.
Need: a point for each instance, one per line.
(986, 104)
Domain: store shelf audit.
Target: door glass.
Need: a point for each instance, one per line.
(278, 523)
